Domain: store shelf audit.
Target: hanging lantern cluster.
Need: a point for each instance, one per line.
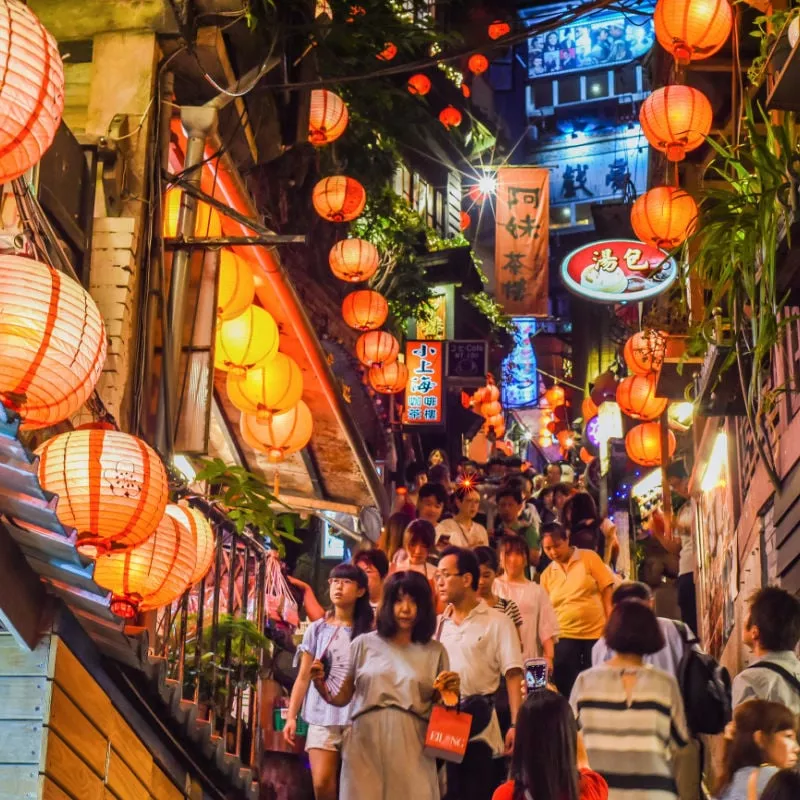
(486, 402)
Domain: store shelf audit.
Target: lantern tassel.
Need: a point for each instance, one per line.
(276, 483)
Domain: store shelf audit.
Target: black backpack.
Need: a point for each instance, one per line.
(705, 686)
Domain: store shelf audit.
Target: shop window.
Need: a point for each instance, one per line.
(597, 86)
(542, 94)
(569, 90)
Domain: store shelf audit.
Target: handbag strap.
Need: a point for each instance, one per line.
(778, 670)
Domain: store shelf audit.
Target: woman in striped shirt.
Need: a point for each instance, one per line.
(631, 714)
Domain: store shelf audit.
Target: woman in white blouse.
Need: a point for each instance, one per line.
(462, 530)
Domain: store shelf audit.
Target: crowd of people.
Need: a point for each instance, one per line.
(478, 580)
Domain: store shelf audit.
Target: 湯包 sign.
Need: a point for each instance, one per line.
(425, 389)
(618, 271)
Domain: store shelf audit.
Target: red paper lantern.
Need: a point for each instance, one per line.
(676, 119)
(565, 439)
(31, 90)
(354, 260)
(465, 90)
(644, 351)
(478, 63)
(388, 53)
(365, 310)
(636, 397)
(192, 519)
(419, 84)
(52, 342)
(152, 574)
(328, 117)
(339, 198)
(588, 409)
(692, 29)
(390, 378)
(377, 348)
(450, 117)
(281, 435)
(586, 456)
(498, 29)
(111, 487)
(464, 220)
(604, 388)
(491, 391)
(555, 396)
(491, 408)
(643, 444)
(665, 217)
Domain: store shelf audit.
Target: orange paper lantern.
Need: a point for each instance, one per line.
(644, 351)
(676, 119)
(31, 90)
(365, 310)
(205, 543)
(498, 29)
(52, 342)
(207, 222)
(555, 396)
(692, 29)
(465, 90)
(377, 348)
(112, 487)
(588, 409)
(643, 444)
(478, 63)
(450, 117)
(491, 391)
(464, 220)
(322, 8)
(491, 408)
(151, 575)
(354, 260)
(565, 439)
(586, 456)
(664, 216)
(327, 118)
(636, 397)
(236, 286)
(246, 340)
(388, 53)
(419, 84)
(280, 436)
(390, 378)
(339, 198)
(267, 389)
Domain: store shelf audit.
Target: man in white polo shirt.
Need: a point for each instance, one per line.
(483, 647)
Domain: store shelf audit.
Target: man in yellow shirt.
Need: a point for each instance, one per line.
(580, 586)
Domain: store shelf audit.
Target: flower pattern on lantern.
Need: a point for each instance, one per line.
(280, 436)
(339, 198)
(419, 84)
(327, 118)
(644, 351)
(636, 397)
(111, 487)
(498, 29)
(152, 574)
(692, 29)
(450, 117)
(365, 310)
(245, 341)
(236, 286)
(268, 388)
(676, 119)
(207, 222)
(52, 342)
(205, 548)
(664, 216)
(643, 444)
(354, 260)
(31, 90)
(478, 63)
(377, 348)
(389, 378)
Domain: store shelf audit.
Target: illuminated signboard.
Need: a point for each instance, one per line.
(618, 271)
(425, 390)
(606, 40)
(520, 384)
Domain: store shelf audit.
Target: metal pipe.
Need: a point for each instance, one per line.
(229, 241)
(201, 599)
(242, 653)
(200, 123)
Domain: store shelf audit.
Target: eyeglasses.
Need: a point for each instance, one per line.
(340, 582)
(443, 576)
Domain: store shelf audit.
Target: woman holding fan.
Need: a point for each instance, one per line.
(327, 641)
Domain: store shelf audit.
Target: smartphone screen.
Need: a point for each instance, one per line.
(536, 674)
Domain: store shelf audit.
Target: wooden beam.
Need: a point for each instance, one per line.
(22, 596)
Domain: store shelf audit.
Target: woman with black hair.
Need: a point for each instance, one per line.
(587, 530)
(551, 765)
(390, 691)
(329, 639)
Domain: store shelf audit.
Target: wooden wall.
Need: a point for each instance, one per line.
(62, 739)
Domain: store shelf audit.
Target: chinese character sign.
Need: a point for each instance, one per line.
(521, 249)
(425, 389)
(621, 271)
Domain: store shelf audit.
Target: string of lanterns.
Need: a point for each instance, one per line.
(486, 401)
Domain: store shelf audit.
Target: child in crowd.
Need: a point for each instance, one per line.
(328, 638)
(418, 544)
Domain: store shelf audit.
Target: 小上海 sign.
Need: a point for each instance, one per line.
(618, 271)
(425, 389)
